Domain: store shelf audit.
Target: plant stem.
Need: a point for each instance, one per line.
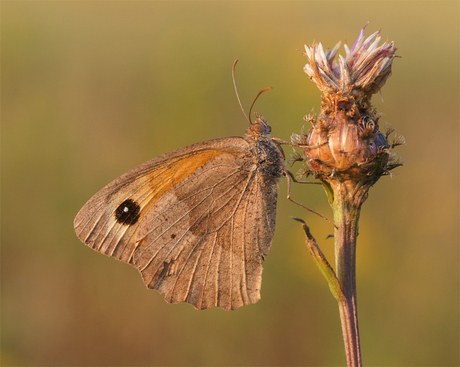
(346, 198)
(346, 206)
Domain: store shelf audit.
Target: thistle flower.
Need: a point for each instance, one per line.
(345, 138)
(348, 153)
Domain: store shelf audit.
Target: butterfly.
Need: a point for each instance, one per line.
(196, 222)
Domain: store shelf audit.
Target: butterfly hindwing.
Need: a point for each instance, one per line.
(210, 254)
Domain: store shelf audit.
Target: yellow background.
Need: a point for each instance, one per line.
(92, 89)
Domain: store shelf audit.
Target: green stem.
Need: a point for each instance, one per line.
(346, 207)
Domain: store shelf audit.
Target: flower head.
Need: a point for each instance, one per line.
(345, 142)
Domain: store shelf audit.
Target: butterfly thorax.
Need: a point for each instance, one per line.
(268, 155)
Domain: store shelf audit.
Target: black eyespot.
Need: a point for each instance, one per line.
(173, 236)
(128, 212)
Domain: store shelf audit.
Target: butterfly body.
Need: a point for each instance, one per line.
(196, 222)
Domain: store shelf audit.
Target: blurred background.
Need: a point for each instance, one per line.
(92, 89)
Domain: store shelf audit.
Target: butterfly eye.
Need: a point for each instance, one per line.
(128, 212)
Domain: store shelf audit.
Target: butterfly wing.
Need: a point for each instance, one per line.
(196, 222)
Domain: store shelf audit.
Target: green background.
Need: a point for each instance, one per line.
(92, 89)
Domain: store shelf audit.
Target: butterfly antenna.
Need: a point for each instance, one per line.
(238, 97)
(236, 91)
(263, 90)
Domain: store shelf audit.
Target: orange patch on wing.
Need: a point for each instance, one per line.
(165, 176)
(168, 176)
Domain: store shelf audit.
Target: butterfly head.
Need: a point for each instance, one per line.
(258, 128)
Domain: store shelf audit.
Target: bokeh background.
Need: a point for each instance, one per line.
(92, 89)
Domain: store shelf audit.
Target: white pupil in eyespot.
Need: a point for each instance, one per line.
(125, 209)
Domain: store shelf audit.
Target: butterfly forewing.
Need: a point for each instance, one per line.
(109, 220)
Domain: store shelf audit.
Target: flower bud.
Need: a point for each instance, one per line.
(345, 141)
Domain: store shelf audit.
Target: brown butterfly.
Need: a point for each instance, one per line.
(196, 222)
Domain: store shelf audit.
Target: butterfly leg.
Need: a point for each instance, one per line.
(281, 141)
(290, 176)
